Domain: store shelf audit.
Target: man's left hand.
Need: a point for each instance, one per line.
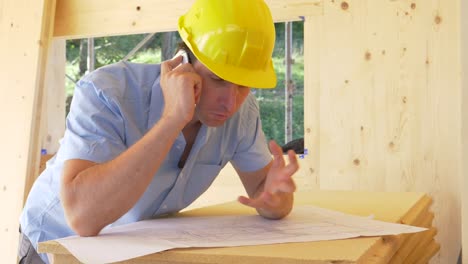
(275, 201)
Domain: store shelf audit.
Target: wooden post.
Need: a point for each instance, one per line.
(52, 125)
(310, 168)
(25, 31)
(288, 91)
(464, 133)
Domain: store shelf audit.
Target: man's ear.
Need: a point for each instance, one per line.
(184, 54)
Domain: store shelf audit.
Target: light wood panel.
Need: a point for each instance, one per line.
(25, 30)
(464, 132)
(52, 125)
(310, 169)
(90, 18)
(389, 103)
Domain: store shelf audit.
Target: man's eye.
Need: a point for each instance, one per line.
(216, 78)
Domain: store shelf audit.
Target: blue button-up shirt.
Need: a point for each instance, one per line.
(112, 108)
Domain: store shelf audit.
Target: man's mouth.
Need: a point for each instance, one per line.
(221, 116)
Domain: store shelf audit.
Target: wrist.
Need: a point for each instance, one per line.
(173, 121)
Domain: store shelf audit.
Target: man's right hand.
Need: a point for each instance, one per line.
(181, 87)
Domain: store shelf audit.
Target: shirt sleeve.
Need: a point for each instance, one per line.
(252, 152)
(94, 126)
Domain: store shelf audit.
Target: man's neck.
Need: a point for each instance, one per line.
(190, 132)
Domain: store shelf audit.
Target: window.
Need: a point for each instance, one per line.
(153, 48)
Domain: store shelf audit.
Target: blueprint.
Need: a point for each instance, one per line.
(305, 223)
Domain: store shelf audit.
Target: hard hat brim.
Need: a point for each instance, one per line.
(265, 79)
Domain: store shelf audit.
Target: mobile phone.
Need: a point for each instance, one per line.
(184, 55)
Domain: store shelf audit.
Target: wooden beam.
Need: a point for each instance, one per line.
(464, 126)
(90, 18)
(52, 126)
(25, 30)
(310, 168)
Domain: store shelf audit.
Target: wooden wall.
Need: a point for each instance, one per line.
(383, 104)
(390, 103)
(383, 95)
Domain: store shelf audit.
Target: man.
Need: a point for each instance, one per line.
(147, 140)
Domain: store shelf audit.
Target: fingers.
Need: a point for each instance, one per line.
(277, 153)
(245, 201)
(263, 201)
(279, 162)
(169, 65)
(275, 148)
(293, 165)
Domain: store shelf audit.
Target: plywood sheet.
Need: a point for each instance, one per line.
(350, 250)
(390, 103)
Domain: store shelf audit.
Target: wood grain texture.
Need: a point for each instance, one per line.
(412, 243)
(389, 104)
(25, 31)
(89, 18)
(310, 169)
(463, 13)
(52, 125)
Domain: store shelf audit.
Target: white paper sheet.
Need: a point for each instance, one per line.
(305, 223)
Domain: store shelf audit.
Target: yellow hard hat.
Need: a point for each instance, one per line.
(232, 38)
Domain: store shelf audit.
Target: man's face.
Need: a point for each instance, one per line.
(219, 99)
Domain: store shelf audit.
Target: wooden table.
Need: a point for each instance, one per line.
(407, 208)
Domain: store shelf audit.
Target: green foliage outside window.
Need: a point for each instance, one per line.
(272, 104)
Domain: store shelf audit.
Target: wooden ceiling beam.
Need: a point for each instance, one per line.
(91, 18)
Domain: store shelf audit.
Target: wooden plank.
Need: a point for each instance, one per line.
(464, 126)
(420, 247)
(310, 169)
(390, 207)
(52, 125)
(416, 213)
(429, 252)
(383, 250)
(69, 259)
(386, 248)
(89, 18)
(390, 104)
(25, 30)
(413, 241)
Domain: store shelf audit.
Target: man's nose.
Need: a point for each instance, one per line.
(229, 96)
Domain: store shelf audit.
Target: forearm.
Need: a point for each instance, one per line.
(99, 195)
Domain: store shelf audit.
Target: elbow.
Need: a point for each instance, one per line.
(82, 227)
(78, 219)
